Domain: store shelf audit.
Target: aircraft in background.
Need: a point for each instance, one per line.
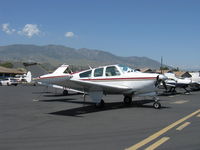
(24, 78)
(172, 82)
(111, 79)
(195, 77)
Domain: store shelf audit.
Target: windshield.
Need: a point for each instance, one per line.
(125, 68)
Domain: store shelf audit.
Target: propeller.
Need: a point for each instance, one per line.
(161, 79)
(164, 85)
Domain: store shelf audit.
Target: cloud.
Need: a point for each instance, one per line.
(30, 30)
(6, 28)
(69, 34)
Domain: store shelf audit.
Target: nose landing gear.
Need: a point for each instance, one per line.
(156, 103)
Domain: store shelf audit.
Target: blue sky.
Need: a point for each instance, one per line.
(151, 28)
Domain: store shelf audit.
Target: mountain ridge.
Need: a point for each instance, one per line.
(58, 54)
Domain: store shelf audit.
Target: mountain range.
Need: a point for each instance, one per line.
(57, 54)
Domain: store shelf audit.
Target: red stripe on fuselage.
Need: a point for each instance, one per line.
(100, 79)
(136, 78)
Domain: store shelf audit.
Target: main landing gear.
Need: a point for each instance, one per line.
(65, 92)
(127, 100)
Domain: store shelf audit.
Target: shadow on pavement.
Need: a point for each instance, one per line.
(90, 107)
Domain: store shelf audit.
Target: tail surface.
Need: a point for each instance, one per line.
(28, 77)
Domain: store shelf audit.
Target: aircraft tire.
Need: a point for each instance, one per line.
(65, 92)
(157, 105)
(127, 100)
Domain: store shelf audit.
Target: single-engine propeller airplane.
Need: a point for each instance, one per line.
(172, 82)
(111, 79)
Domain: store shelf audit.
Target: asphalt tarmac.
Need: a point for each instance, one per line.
(34, 118)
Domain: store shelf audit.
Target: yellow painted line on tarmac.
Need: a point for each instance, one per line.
(183, 126)
(162, 131)
(158, 143)
(198, 115)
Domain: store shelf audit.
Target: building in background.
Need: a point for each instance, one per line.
(8, 72)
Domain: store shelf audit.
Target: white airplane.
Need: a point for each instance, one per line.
(25, 77)
(195, 77)
(112, 79)
(173, 82)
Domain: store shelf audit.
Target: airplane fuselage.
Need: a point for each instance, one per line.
(136, 82)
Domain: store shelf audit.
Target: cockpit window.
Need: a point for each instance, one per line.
(125, 68)
(112, 71)
(85, 74)
(98, 72)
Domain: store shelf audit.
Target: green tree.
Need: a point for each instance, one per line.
(164, 68)
(7, 64)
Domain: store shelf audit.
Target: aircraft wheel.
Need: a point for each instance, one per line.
(101, 104)
(157, 105)
(127, 100)
(65, 92)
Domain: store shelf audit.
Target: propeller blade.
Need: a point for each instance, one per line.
(164, 85)
(157, 81)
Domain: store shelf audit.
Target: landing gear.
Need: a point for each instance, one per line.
(101, 104)
(127, 100)
(187, 92)
(156, 104)
(65, 92)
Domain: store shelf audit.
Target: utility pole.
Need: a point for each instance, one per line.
(161, 67)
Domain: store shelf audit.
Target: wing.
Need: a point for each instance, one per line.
(59, 87)
(97, 86)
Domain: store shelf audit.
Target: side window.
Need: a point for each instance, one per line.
(112, 71)
(98, 72)
(86, 74)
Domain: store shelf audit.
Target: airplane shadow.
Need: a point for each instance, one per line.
(90, 108)
(61, 95)
(168, 93)
(68, 100)
(43, 92)
(173, 93)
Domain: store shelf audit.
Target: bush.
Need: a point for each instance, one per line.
(7, 65)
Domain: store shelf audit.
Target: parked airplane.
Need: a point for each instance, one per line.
(195, 77)
(112, 79)
(24, 78)
(172, 82)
